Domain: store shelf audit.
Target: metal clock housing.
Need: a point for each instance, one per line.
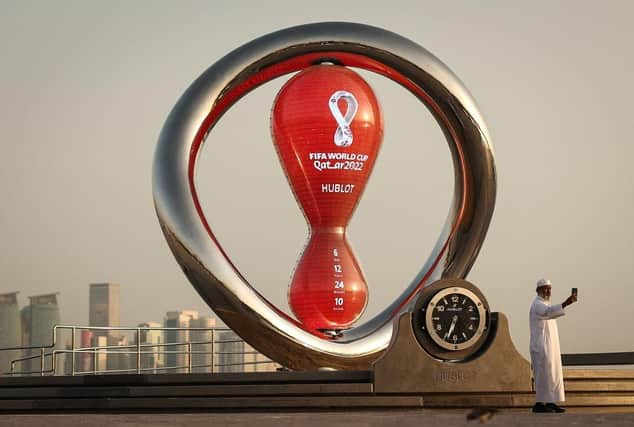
(451, 319)
(455, 318)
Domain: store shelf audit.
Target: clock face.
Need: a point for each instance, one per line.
(455, 318)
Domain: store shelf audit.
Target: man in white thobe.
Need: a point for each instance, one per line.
(544, 348)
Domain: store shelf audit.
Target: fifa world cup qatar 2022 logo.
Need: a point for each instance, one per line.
(327, 127)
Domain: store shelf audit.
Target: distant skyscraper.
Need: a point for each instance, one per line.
(230, 352)
(176, 355)
(234, 355)
(104, 305)
(254, 361)
(120, 360)
(152, 358)
(38, 320)
(201, 346)
(104, 312)
(86, 360)
(10, 329)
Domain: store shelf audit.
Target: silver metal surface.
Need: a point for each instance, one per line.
(221, 285)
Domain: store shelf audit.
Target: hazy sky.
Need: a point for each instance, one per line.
(86, 86)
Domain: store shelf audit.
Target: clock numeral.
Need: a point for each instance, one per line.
(440, 308)
(455, 298)
(439, 327)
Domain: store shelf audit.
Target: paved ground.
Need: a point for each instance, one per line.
(394, 418)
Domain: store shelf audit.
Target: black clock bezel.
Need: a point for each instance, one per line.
(432, 306)
(423, 335)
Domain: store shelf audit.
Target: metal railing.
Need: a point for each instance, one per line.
(224, 351)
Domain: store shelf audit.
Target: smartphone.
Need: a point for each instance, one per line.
(574, 291)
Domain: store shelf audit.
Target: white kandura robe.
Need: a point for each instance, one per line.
(545, 351)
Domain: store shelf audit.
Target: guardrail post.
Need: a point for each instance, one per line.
(72, 353)
(189, 358)
(138, 350)
(41, 361)
(213, 349)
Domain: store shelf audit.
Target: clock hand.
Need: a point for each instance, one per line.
(453, 325)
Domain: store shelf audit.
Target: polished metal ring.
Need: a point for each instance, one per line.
(200, 255)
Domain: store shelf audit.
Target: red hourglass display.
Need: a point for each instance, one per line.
(327, 127)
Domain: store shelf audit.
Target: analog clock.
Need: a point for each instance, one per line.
(451, 320)
(455, 318)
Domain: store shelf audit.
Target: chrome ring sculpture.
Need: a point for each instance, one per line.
(200, 255)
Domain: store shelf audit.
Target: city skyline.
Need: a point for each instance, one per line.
(204, 344)
(100, 319)
(91, 84)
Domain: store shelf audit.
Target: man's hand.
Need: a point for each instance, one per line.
(571, 299)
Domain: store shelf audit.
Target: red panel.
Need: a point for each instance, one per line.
(327, 127)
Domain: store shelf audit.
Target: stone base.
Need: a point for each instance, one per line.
(407, 368)
(586, 390)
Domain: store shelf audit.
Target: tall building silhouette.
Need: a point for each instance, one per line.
(254, 361)
(201, 343)
(104, 310)
(104, 305)
(153, 358)
(235, 355)
(176, 355)
(230, 352)
(86, 359)
(38, 320)
(10, 329)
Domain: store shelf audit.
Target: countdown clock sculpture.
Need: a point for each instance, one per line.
(238, 303)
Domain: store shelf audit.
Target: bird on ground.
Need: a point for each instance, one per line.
(482, 413)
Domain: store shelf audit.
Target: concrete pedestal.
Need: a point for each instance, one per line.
(407, 368)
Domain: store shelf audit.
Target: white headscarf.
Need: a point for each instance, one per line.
(544, 282)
